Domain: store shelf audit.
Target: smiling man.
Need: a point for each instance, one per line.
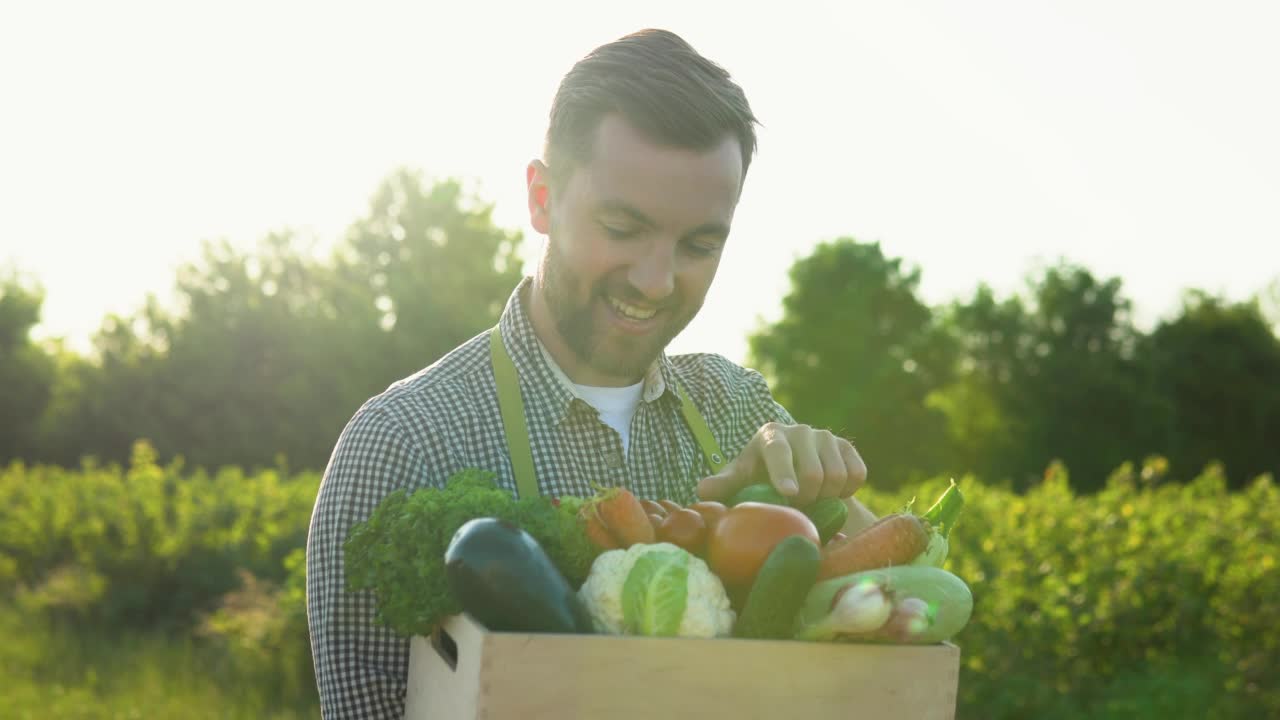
(635, 237)
(647, 151)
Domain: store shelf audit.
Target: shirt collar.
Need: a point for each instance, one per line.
(553, 393)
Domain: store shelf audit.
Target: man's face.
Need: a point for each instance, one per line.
(634, 240)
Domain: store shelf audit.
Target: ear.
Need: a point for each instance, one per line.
(538, 180)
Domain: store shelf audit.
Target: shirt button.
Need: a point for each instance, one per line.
(613, 459)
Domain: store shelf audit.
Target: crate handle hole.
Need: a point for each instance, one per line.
(445, 647)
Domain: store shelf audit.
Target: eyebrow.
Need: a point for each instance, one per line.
(715, 229)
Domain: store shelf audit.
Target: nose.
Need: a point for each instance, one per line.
(653, 273)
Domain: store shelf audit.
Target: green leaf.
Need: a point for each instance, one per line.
(946, 510)
(655, 593)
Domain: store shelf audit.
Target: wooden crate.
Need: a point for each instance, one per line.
(464, 671)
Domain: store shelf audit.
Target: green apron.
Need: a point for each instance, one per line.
(512, 406)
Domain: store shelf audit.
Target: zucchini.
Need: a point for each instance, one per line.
(779, 590)
(501, 576)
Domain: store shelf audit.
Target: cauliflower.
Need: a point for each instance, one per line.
(656, 589)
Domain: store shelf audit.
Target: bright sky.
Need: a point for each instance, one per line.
(974, 140)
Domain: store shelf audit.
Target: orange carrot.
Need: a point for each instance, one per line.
(624, 516)
(594, 527)
(893, 540)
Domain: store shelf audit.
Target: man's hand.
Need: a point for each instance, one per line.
(801, 462)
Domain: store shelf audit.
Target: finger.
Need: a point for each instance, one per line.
(776, 454)
(732, 477)
(855, 468)
(719, 486)
(808, 465)
(835, 474)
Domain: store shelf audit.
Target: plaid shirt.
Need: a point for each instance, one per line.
(445, 418)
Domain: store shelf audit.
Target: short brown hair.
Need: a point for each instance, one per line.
(661, 86)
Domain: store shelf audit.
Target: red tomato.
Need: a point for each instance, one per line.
(748, 532)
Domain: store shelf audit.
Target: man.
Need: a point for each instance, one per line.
(647, 150)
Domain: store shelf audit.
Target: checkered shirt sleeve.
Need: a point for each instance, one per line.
(360, 666)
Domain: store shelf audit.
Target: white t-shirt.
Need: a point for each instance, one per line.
(616, 405)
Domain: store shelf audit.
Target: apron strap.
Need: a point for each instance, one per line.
(504, 372)
(509, 401)
(696, 423)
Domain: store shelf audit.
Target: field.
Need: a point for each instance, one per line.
(154, 591)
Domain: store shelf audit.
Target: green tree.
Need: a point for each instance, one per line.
(104, 402)
(424, 271)
(1054, 378)
(268, 352)
(244, 356)
(1268, 299)
(856, 351)
(984, 424)
(1218, 363)
(26, 369)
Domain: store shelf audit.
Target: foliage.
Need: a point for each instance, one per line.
(1052, 376)
(1218, 366)
(1000, 387)
(1149, 598)
(856, 352)
(261, 630)
(263, 354)
(147, 545)
(50, 669)
(27, 371)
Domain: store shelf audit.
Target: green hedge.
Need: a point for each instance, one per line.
(1148, 599)
(146, 545)
(1145, 600)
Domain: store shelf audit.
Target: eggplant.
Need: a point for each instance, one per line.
(504, 579)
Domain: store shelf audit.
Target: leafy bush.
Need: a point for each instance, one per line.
(1147, 599)
(1144, 600)
(154, 545)
(262, 630)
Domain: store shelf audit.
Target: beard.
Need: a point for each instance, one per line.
(575, 307)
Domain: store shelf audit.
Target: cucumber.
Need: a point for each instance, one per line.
(761, 493)
(828, 515)
(779, 590)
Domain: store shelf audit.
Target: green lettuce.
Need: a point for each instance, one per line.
(655, 593)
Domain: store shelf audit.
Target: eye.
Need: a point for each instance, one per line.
(618, 233)
(702, 249)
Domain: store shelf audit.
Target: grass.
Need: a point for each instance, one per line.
(48, 670)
